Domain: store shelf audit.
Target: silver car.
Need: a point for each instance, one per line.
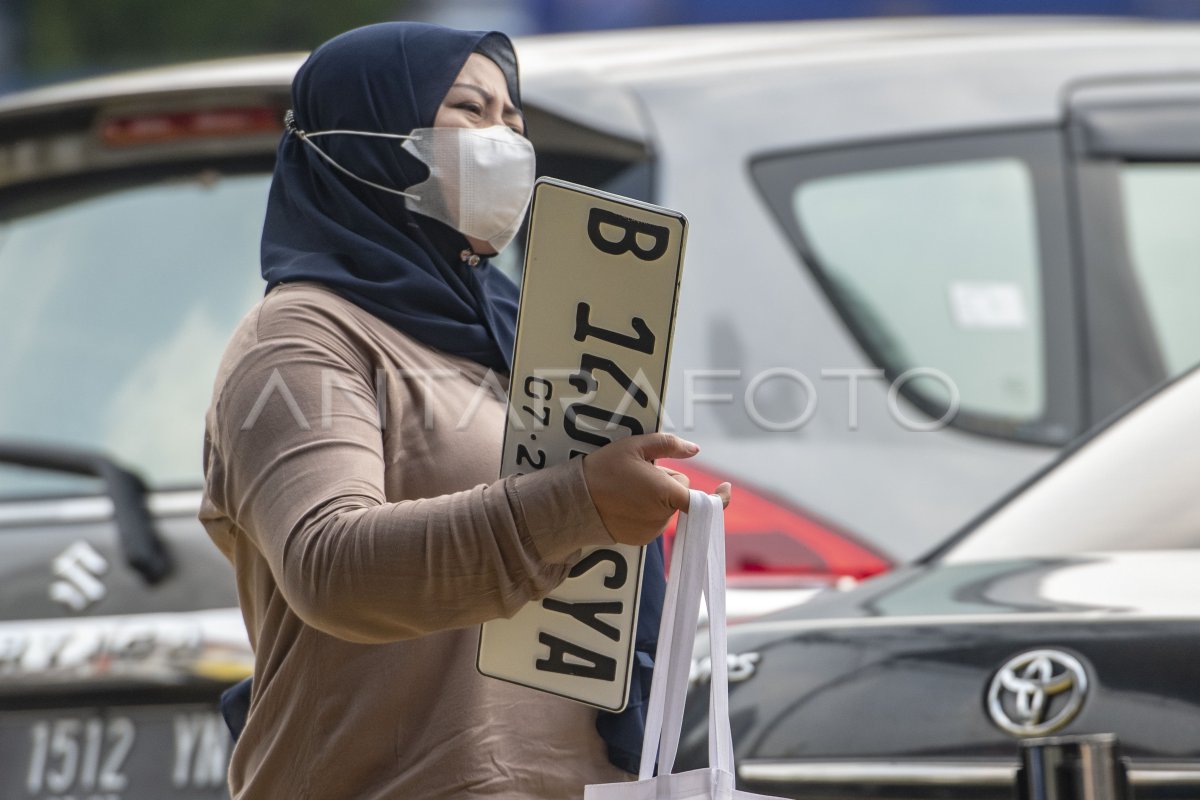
(924, 255)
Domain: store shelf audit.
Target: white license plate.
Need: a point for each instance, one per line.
(128, 753)
(594, 331)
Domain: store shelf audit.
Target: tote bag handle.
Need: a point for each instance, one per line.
(697, 567)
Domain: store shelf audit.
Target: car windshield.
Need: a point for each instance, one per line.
(117, 302)
(1133, 487)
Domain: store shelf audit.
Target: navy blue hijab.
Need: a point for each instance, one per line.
(360, 242)
(402, 267)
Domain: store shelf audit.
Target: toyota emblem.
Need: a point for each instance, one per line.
(1037, 692)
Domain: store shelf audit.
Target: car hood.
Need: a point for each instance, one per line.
(902, 666)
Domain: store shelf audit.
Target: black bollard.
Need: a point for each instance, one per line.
(1072, 768)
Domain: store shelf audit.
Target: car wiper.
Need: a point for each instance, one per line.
(141, 544)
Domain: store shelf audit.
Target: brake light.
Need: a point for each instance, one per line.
(766, 538)
(157, 128)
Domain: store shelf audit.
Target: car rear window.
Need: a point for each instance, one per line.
(1160, 202)
(938, 265)
(947, 258)
(117, 303)
(119, 295)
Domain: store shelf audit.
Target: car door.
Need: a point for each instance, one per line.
(1135, 163)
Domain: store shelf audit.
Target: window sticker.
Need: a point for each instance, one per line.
(992, 306)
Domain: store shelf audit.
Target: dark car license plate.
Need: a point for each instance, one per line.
(126, 753)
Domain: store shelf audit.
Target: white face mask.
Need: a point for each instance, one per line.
(480, 179)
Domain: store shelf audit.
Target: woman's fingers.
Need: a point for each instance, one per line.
(676, 475)
(724, 490)
(635, 497)
(677, 489)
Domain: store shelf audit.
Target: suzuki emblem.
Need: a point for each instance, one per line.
(78, 570)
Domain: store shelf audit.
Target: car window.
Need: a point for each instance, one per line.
(951, 258)
(938, 265)
(117, 304)
(1132, 487)
(1160, 202)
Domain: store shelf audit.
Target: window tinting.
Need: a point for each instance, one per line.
(1160, 205)
(938, 265)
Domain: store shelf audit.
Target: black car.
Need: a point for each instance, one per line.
(1071, 607)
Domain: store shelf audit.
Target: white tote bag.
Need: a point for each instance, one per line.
(697, 566)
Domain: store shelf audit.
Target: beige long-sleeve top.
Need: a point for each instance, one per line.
(351, 480)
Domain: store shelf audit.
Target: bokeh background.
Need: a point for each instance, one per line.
(48, 40)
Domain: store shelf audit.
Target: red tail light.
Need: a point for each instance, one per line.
(766, 538)
(169, 127)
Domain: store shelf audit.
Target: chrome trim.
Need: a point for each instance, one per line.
(932, 773)
(888, 772)
(1165, 776)
(76, 510)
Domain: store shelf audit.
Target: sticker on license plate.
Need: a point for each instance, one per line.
(131, 753)
(597, 313)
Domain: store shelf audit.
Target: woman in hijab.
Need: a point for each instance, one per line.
(352, 446)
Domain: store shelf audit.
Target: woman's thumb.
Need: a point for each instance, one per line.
(665, 445)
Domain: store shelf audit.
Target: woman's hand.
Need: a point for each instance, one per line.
(636, 498)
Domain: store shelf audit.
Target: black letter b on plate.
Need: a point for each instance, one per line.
(628, 242)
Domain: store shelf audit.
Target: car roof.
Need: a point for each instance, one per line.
(844, 80)
(662, 55)
(810, 85)
(644, 53)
